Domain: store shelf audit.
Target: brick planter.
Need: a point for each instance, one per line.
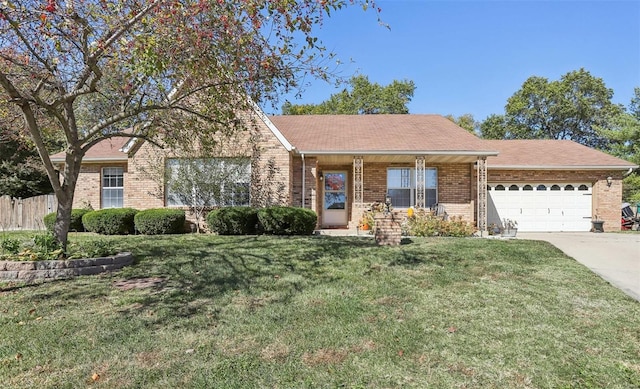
(52, 270)
(388, 230)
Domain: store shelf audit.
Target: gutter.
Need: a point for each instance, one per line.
(95, 159)
(400, 152)
(560, 167)
(304, 170)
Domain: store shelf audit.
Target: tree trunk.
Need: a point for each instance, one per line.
(63, 221)
(65, 194)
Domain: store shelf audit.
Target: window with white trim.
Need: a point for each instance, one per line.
(112, 187)
(401, 186)
(208, 182)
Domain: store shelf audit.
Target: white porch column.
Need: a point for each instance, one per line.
(482, 194)
(420, 182)
(358, 186)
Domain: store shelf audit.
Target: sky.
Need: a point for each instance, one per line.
(471, 56)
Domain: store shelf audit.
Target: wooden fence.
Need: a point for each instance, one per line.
(25, 214)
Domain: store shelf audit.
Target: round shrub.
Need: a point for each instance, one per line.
(160, 221)
(233, 221)
(287, 221)
(76, 220)
(111, 221)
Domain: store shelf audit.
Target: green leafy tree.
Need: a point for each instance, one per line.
(21, 170)
(624, 135)
(573, 107)
(495, 127)
(466, 121)
(361, 98)
(91, 70)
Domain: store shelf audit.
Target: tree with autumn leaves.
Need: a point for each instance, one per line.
(89, 70)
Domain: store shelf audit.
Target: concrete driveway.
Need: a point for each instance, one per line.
(614, 257)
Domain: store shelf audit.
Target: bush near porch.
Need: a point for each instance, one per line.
(423, 223)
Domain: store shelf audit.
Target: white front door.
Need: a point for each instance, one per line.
(541, 207)
(334, 209)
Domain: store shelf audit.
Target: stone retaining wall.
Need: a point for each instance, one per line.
(51, 270)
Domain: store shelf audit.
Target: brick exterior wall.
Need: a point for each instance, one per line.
(143, 188)
(311, 182)
(455, 187)
(606, 199)
(89, 186)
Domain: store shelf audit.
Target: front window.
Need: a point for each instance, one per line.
(401, 186)
(208, 182)
(112, 187)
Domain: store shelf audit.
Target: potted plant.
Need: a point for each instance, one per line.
(366, 221)
(509, 228)
(597, 225)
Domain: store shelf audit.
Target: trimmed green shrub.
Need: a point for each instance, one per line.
(287, 221)
(76, 220)
(160, 221)
(111, 221)
(233, 221)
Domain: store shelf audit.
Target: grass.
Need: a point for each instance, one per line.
(324, 312)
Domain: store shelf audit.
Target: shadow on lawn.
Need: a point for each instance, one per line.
(207, 271)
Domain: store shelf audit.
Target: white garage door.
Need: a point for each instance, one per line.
(541, 207)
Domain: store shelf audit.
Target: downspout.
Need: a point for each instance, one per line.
(304, 169)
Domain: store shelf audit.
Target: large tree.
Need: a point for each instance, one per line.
(93, 69)
(465, 121)
(21, 170)
(573, 107)
(361, 97)
(623, 132)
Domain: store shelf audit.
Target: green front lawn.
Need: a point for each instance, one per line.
(276, 312)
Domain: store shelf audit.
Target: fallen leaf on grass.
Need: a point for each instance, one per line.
(95, 377)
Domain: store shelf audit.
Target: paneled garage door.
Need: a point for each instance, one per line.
(541, 207)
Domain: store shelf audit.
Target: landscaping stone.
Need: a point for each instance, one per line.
(20, 266)
(47, 270)
(8, 275)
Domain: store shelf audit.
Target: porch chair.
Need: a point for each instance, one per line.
(439, 211)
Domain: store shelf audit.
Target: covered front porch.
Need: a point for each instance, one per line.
(341, 187)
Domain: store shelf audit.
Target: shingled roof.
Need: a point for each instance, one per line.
(106, 150)
(406, 134)
(550, 154)
(377, 134)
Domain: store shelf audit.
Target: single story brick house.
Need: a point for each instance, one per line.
(337, 165)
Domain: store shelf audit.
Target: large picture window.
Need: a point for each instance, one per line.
(208, 182)
(112, 187)
(401, 186)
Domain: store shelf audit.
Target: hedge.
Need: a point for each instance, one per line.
(287, 221)
(111, 221)
(160, 221)
(76, 220)
(233, 221)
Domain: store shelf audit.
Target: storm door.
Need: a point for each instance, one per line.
(334, 212)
